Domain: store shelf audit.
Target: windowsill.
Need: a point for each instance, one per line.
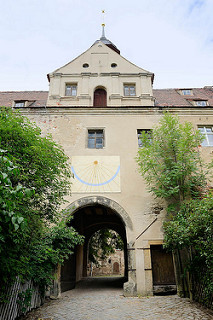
(75, 98)
(130, 98)
(95, 148)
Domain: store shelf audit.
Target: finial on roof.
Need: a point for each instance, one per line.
(104, 40)
(103, 26)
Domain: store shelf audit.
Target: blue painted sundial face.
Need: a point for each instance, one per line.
(96, 174)
(95, 184)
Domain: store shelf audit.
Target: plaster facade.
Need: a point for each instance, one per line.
(105, 69)
(69, 118)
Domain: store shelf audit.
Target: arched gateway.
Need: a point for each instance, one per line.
(88, 215)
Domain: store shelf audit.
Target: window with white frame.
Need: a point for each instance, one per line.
(186, 92)
(201, 103)
(19, 104)
(129, 89)
(71, 90)
(148, 132)
(95, 138)
(207, 131)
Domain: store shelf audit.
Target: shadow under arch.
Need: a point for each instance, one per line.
(93, 200)
(91, 214)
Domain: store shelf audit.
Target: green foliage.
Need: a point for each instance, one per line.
(24, 299)
(173, 170)
(103, 243)
(192, 228)
(54, 247)
(34, 177)
(171, 164)
(42, 163)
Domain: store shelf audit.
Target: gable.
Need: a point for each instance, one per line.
(100, 59)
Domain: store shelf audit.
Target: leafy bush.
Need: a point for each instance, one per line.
(171, 164)
(173, 169)
(34, 177)
(102, 243)
(192, 228)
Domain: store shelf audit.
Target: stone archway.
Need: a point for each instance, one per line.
(88, 201)
(89, 215)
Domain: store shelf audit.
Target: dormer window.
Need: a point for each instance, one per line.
(19, 104)
(186, 92)
(129, 89)
(71, 90)
(200, 103)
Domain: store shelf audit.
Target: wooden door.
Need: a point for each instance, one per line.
(162, 266)
(100, 98)
(68, 274)
(115, 267)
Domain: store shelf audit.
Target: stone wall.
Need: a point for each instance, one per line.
(112, 265)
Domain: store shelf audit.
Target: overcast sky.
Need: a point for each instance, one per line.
(172, 38)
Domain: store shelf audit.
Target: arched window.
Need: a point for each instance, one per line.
(100, 98)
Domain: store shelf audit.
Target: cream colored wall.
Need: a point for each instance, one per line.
(100, 74)
(69, 128)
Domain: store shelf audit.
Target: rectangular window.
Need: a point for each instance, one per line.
(19, 104)
(201, 103)
(146, 131)
(129, 90)
(186, 92)
(96, 139)
(208, 135)
(71, 90)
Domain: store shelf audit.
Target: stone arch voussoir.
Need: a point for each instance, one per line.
(89, 201)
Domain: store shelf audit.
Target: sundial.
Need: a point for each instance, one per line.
(96, 174)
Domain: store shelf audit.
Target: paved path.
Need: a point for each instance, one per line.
(101, 299)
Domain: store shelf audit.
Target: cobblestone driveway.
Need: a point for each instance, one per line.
(90, 300)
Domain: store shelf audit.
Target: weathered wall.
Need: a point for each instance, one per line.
(69, 128)
(107, 266)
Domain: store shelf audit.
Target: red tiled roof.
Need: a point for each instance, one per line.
(35, 98)
(172, 97)
(163, 97)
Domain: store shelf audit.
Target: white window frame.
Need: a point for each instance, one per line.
(73, 89)
(203, 130)
(128, 87)
(186, 92)
(201, 103)
(19, 104)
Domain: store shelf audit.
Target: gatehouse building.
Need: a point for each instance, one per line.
(96, 108)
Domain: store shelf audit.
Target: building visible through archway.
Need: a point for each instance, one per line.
(87, 220)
